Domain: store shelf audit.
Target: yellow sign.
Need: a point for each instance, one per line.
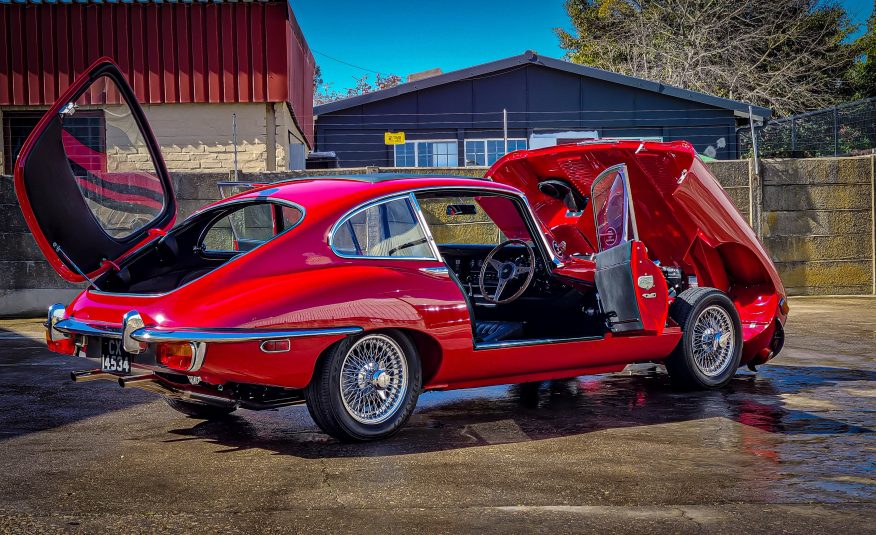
(394, 138)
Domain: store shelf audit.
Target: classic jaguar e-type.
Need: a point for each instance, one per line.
(354, 294)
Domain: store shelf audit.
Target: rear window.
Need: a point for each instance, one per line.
(110, 160)
(248, 226)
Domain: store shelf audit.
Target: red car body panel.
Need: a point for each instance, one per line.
(689, 218)
(296, 280)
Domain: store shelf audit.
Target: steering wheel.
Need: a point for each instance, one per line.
(507, 270)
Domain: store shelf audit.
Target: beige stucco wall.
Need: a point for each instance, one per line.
(197, 137)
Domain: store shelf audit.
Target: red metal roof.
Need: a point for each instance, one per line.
(171, 52)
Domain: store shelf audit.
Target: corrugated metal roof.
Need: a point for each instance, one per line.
(37, 2)
(200, 52)
(530, 57)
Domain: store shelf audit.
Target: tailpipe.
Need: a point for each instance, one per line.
(153, 383)
(90, 375)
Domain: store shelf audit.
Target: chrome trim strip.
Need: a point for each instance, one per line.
(216, 336)
(532, 221)
(540, 341)
(225, 336)
(422, 219)
(434, 270)
(74, 326)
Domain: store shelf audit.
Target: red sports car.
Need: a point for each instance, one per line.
(354, 294)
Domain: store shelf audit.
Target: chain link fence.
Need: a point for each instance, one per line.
(843, 130)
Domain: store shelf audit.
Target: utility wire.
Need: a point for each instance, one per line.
(347, 63)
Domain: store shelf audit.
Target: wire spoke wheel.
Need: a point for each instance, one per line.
(373, 379)
(714, 341)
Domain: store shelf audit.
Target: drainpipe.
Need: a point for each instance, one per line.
(505, 128)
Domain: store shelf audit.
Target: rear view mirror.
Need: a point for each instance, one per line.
(461, 209)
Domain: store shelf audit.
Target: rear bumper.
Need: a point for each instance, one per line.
(71, 326)
(270, 357)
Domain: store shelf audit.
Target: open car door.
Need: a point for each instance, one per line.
(632, 289)
(90, 178)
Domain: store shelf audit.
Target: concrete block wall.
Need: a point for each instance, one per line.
(815, 217)
(817, 223)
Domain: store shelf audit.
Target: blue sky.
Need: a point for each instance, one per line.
(403, 37)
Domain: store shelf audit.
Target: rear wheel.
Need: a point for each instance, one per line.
(365, 387)
(203, 411)
(710, 349)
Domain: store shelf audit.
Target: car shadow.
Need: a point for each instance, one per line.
(36, 392)
(781, 400)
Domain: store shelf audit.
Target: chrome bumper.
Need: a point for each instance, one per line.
(216, 336)
(135, 336)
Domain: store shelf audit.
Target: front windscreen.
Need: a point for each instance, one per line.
(110, 160)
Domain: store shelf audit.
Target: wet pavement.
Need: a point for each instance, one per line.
(791, 448)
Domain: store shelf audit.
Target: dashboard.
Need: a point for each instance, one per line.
(466, 262)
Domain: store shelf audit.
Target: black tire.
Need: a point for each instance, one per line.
(687, 309)
(202, 411)
(329, 410)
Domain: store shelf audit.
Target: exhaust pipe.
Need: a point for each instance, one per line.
(90, 375)
(156, 384)
(153, 383)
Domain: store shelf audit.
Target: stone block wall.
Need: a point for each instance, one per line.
(817, 223)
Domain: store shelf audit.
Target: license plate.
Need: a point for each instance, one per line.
(113, 358)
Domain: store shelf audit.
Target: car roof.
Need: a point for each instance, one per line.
(333, 194)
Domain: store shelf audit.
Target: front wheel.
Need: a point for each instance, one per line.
(711, 347)
(365, 387)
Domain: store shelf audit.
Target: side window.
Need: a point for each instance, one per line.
(459, 221)
(388, 229)
(248, 227)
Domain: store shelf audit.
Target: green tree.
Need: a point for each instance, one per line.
(863, 74)
(787, 55)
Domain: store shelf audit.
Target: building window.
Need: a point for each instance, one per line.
(405, 155)
(488, 151)
(430, 153)
(87, 126)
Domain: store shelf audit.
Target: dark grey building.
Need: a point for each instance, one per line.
(457, 118)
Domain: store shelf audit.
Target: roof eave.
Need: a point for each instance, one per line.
(531, 58)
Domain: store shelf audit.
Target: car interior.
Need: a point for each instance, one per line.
(199, 246)
(479, 237)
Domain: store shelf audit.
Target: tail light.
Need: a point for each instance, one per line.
(178, 356)
(58, 341)
(64, 346)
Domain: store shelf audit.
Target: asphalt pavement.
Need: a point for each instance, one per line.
(791, 448)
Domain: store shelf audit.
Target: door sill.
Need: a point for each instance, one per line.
(533, 342)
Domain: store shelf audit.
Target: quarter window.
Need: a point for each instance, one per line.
(388, 229)
(249, 226)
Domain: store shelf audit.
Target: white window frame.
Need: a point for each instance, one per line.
(483, 142)
(417, 142)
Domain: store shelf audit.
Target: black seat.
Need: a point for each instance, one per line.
(496, 331)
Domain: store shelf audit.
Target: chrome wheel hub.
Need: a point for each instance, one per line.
(714, 341)
(374, 379)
